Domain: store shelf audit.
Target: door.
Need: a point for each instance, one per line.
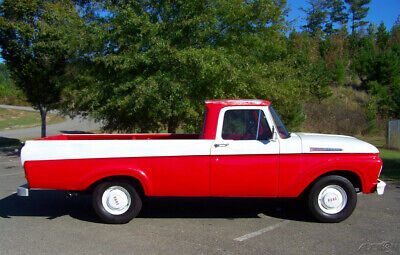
(244, 157)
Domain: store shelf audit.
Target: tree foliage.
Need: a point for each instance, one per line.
(337, 15)
(37, 39)
(316, 16)
(9, 93)
(378, 66)
(359, 11)
(142, 66)
(160, 60)
(382, 37)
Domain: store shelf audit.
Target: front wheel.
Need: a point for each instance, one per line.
(332, 199)
(116, 201)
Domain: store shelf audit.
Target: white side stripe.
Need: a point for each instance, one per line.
(90, 149)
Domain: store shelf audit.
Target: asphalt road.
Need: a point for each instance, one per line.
(49, 223)
(70, 125)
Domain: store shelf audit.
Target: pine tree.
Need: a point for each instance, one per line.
(358, 12)
(382, 37)
(316, 16)
(337, 15)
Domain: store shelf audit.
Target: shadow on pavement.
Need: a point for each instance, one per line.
(47, 203)
(226, 208)
(53, 204)
(10, 146)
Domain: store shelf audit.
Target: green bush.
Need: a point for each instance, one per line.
(371, 113)
(9, 93)
(339, 72)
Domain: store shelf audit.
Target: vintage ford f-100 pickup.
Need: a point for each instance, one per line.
(243, 151)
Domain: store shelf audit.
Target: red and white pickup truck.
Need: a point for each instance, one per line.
(243, 151)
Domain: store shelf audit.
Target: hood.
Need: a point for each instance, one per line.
(323, 143)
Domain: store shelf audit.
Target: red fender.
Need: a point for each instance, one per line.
(295, 180)
(115, 170)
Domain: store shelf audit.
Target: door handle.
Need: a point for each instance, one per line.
(221, 145)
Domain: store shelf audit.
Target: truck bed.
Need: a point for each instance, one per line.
(122, 137)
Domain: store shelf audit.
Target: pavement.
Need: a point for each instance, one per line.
(48, 223)
(70, 125)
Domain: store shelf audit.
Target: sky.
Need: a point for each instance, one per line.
(379, 10)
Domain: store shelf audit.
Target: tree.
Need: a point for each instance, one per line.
(159, 60)
(358, 12)
(380, 74)
(337, 15)
(382, 36)
(315, 16)
(371, 31)
(37, 39)
(395, 33)
(4, 74)
(339, 72)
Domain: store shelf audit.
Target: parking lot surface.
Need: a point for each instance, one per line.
(47, 222)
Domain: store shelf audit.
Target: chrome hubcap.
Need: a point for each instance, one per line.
(332, 199)
(116, 200)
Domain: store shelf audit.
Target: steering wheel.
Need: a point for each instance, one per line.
(249, 134)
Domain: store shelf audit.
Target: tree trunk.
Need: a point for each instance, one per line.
(171, 126)
(43, 113)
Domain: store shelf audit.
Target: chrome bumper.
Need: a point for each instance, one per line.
(23, 190)
(380, 187)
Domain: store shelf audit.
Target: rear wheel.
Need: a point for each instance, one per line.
(116, 201)
(332, 199)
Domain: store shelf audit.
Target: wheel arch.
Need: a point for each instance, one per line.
(138, 178)
(352, 176)
(134, 181)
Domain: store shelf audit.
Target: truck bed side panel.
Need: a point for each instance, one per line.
(160, 176)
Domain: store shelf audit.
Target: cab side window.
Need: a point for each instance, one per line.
(245, 125)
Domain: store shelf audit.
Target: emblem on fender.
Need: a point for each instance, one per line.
(325, 149)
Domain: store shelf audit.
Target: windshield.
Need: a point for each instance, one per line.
(279, 125)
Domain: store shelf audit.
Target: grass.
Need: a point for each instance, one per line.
(13, 119)
(390, 158)
(391, 164)
(378, 140)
